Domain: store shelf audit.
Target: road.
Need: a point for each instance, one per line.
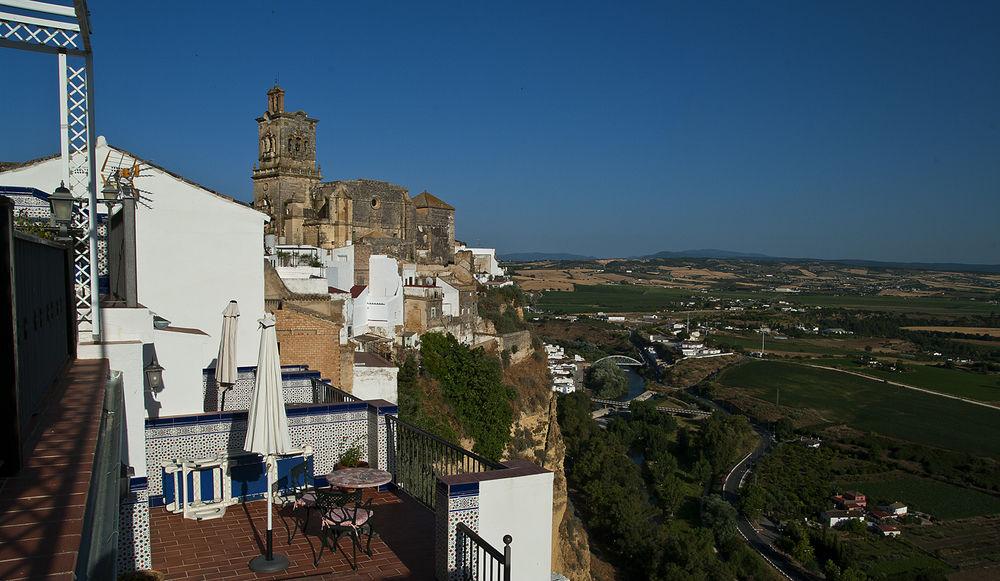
(758, 540)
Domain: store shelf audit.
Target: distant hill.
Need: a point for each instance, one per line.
(724, 254)
(533, 256)
(705, 253)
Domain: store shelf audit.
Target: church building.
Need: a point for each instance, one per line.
(376, 217)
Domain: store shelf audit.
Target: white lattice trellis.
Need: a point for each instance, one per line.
(64, 30)
(79, 184)
(32, 31)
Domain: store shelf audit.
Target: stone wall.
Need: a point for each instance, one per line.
(314, 341)
(518, 344)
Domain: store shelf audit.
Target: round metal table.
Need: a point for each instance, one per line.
(354, 478)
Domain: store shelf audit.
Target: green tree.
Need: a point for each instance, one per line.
(607, 380)
(472, 382)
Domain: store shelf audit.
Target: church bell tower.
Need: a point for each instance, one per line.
(286, 171)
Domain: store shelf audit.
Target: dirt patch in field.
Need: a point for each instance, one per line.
(990, 331)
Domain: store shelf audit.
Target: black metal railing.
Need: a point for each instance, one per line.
(477, 560)
(98, 554)
(323, 392)
(417, 458)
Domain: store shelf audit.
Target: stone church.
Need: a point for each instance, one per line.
(377, 217)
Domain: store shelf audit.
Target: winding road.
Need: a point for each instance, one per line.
(758, 540)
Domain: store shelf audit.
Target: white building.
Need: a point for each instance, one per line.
(484, 263)
(378, 307)
(196, 250)
(374, 377)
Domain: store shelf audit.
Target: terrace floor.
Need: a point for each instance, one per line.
(222, 548)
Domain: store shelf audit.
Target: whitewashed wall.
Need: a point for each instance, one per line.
(340, 270)
(521, 507)
(375, 383)
(450, 302)
(195, 250)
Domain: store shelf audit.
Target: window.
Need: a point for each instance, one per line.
(375, 203)
(434, 312)
(289, 144)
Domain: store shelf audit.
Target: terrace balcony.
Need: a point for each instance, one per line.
(436, 486)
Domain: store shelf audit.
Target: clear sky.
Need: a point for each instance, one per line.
(792, 128)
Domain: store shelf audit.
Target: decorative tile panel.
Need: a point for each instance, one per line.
(133, 529)
(329, 429)
(296, 383)
(458, 503)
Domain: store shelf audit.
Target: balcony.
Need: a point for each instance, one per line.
(436, 486)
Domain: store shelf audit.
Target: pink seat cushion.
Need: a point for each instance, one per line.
(342, 517)
(306, 500)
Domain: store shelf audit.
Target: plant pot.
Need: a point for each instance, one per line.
(360, 464)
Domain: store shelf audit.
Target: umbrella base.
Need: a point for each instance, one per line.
(260, 564)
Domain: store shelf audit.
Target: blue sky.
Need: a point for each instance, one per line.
(822, 129)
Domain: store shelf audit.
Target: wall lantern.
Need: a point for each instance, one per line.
(61, 205)
(109, 192)
(154, 375)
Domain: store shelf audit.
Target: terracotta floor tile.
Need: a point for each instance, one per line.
(222, 548)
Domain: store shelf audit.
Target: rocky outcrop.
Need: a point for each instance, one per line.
(536, 437)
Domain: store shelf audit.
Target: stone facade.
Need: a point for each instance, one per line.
(287, 186)
(286, 171)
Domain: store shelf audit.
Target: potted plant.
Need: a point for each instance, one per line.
(351, 458)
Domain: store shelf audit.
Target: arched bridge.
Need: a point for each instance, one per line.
(676, 411)
(623, 360)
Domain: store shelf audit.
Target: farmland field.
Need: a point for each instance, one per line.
(990, 331)
(635, 298)
(970, 545)
(873, 406)
(942, 500)
(817, 346)
(958, 382)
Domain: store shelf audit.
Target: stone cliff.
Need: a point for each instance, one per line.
(536, 437)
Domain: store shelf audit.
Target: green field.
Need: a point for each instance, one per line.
(817, 346)
(635, 298)
(614, 298)
(958, 382)
(873, 406)
(942, 500)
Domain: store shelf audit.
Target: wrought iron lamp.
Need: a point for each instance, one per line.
(61, 206)
(109, 193)
(154, 375)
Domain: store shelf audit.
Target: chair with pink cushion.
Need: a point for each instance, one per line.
(342, 513)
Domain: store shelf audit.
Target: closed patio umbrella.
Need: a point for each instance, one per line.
(225, 364)
(267, 428)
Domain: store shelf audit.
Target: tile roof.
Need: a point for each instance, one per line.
(366, 187)
(426, 199)
(364, 359)
(357, 289)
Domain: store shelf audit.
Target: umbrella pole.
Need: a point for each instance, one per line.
(270, 544)
(269, 562)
